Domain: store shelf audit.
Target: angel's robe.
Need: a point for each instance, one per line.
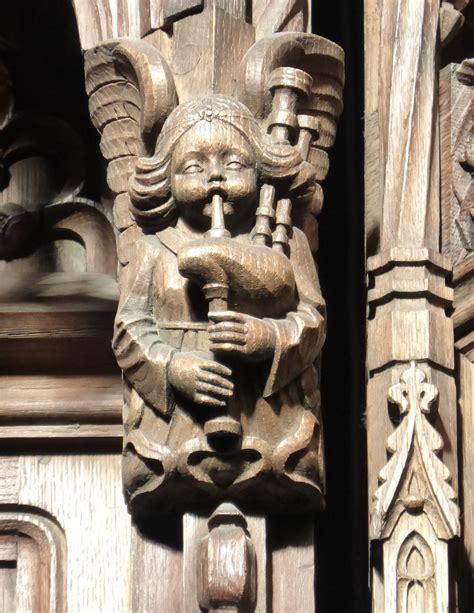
(168, 463)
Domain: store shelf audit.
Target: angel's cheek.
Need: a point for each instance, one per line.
(188, 189)
(242, 185)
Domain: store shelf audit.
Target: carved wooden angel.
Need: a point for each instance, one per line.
(221, 321)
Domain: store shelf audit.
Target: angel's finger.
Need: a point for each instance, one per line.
(208, 377)
(227, 326)
(217, 316)
(231, 337)
(217, 368)
(209, 400)
(201, 386)
(227, 347)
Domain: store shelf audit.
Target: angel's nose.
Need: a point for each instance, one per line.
(216, 172)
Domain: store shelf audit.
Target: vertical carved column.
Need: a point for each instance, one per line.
(410, 304)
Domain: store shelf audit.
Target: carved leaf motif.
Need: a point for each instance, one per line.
(414, 465)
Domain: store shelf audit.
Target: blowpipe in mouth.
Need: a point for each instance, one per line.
(217, 217)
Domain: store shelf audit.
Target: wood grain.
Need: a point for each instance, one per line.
(466, 407)
(83, 495)
(81, 399)
(293, 546)
(155, 554)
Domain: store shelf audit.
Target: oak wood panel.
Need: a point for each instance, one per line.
(8, 571)
(159, 558)
(293, 547)
(83, 494)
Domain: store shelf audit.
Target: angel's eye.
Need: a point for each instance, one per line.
(191, 168)
(235, 164)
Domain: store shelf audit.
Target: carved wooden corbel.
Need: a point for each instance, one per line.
(283, 131)
(215, 160)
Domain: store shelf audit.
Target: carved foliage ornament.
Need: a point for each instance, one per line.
(415, 480)
(221, 320)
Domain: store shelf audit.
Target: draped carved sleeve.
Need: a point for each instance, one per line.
(140, 352)
(300, 335)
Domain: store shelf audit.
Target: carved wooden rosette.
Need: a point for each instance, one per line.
(410, 305)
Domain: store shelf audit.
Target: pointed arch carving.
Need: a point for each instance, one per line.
(416, 587)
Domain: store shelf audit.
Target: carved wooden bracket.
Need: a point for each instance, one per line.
(220, 321)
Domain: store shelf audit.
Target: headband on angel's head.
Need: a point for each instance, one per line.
(211, 108)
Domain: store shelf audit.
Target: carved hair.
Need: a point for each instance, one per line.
(152, 203)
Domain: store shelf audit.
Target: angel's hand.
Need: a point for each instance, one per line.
(233, 333)
(200, 378)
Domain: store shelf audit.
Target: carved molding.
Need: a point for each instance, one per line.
(50, 544)
(410, 300)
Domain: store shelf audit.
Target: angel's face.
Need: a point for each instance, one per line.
(213, 158)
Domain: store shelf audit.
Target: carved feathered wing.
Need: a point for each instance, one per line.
(131, 93)
(323, 60)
